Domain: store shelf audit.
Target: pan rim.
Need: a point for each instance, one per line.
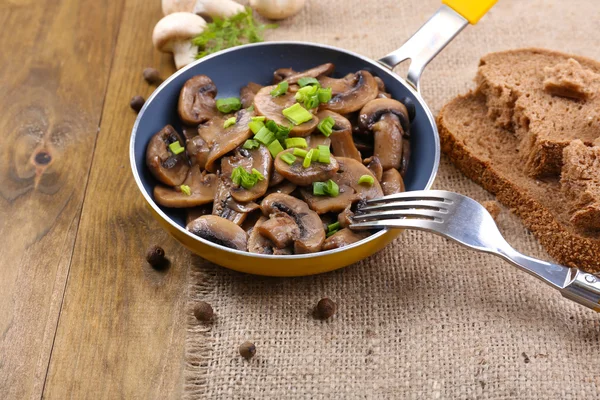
(380, 68)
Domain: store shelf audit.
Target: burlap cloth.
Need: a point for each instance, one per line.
(424, 318)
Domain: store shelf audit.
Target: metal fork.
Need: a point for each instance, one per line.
(467, 222)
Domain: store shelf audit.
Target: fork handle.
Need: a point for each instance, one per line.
(584, 289)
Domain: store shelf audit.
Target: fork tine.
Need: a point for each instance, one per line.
(421, 224)
(400, 205)
(426, 214)
(409, 196)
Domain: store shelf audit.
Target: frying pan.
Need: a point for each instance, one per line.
(233, 68)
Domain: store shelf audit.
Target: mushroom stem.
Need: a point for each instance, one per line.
(218, 8)
(184, 53)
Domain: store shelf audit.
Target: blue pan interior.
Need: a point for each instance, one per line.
(233, 69)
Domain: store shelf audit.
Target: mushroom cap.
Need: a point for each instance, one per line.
(392, 182)
(316, 72)
(228, 138)
(281, 229)
(165, 166)
(173, 6)
(388, 141)
(224, 205)
(341, 135)
(312, 233)
(342, 238)
(297, 174)
(176, 27)
(220, 231)
(374, 165)
(197, 100)
(350, 93)
(259, 159)
(202, 188)
(375, 109)
(248, 92)
(197, 150)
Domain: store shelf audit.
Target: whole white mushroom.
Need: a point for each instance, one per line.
(277, 9)
(174, 33)
(205, 8)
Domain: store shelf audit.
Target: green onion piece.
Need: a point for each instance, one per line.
(280, 90)
(256, 172)
(319, 188)
(228, 122)
(236, 175)
(324, 154)
(308, 81)
(306, 92)
(281, 132)
(311, 102)
(176, 148)
(249, 180)
(368, 179)
(275, 148)
(296, 142)
(315, 154)
(185, 189)
(324, 95)
(255, 126)
(251, 144)
(332, 188)
(288, 158)
(260, 118)
(297, 114)
(229, 104)
(325, 126)
(300, 153)
(264, 136)
(331, 233)
(308, 158)
(333, 227)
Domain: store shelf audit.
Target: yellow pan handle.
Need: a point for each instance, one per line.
(471, 10)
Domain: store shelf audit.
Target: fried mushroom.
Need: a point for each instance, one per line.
(197, 100)
(170, 169)
(220, 231)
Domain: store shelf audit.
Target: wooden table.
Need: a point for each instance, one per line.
(81, 313)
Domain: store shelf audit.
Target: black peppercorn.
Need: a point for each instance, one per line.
(247, 350)
(152, 76)
(136, 103)
(156, 257)
(203, 311)
(325, 308)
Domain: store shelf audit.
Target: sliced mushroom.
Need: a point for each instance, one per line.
(245, 208)
(374, 166)
(359, 89)
(201, 185)
(405, 156)
(259, 159)
(276, 178)
(257, 243)
(165, 166)
(384, 95)
(220, 231)
(197, 150)
(281, 229)
(347, 177)
(196, 212)
(301, 176)
(312, 234)
(392, 182)
(189, 132)
(375, 109)
(272, 108)
(343, 237)
(229, 138)
(251, 220)
(248, 92)
(341, 136)
(197, 100)
(317, 139)
(211, 129)
(284, 187)
(321, 70)
(380, 84)
(345, 217)
(223, 202)
(281, 74)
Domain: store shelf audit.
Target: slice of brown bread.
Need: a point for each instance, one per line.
(521, 88)
(489, 155)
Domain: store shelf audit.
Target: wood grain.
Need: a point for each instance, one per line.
(54, 69)
(122, 328)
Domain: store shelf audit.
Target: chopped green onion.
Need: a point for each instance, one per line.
(333, 227)
(326, 125)
(229, 104)
(297, 114)
(251, 144)
(275, 148)
(315, 154)
(332, 188)
(228, 122)
(368, 179)
(265, 136)
(256, 172)
(249, 180)
(300, 153)
(176, 148)
(236, 175)
(296, 142)
(324, 95)
(308, 158)
(308, 81)
(255, 126)
(319, 188)
(328, 234)
(260, 118)
(288, 158)
(311, 102)
(281, 89)
(324, 154)
(306, 92)
(281, 132)
(185, 189)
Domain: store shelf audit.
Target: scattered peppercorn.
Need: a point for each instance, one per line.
(247, 350)
(325, 308)
(203, 311)
(136, 103)
(156, 257)
(152, 76)
(525, 358)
